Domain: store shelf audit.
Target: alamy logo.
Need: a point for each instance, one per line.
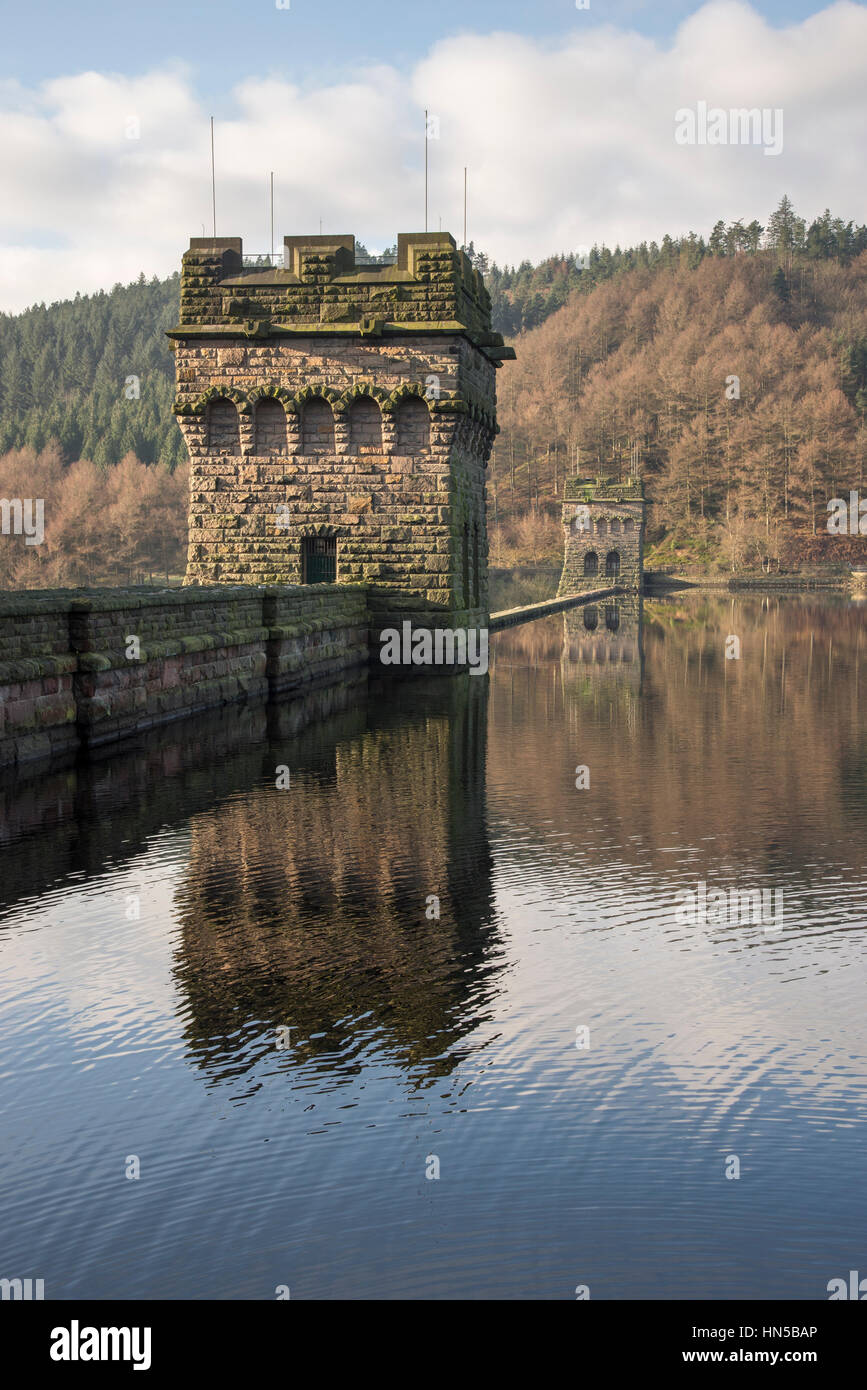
(848, 518)
(17, 517)
(739, 126)
(76, 1343)
(22, 1288)
(439, 646)
(855, 1290)
(738, 907)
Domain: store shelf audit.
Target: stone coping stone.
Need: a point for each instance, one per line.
(178, 646)
(31, 668)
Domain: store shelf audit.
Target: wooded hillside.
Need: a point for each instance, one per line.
(737, 388)
(731, 372)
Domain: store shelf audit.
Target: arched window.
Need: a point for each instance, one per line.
(591, 619)
(270, 428)
(615, 526)
(317, 427)
(601, 526)
(612, 564)
(629, 524)
(365, 426)
(413, 426)
(224, 430)
(591, 563)
(612, 617)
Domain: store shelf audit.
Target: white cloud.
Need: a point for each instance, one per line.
(566, 144)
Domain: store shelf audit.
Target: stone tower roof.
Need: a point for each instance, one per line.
(603, 490)
(432, 288)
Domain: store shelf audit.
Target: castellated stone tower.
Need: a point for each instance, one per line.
(604, 524)
(339, 418)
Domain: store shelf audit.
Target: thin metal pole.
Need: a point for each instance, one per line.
(465, 207)
(272, 214)
(213, 180)
(425, 168)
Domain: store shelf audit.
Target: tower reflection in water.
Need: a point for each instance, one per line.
(351, 912)
(602, 643)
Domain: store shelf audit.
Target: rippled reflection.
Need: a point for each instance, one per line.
(308, 907)
(166, 911)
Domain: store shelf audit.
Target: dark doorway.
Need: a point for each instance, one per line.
(319, 560)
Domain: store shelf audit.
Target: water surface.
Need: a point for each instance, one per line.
(167, 914)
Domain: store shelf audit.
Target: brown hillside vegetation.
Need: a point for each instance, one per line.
(737, 472)
(120, 525)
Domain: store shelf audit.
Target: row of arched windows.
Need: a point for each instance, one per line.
(270, 435)
(591, 618)
(612, 563)
(601, 525)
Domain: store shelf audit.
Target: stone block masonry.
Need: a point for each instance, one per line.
(68, 679)
(339, 420)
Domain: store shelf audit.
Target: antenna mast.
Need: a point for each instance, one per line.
(213, 180)
(426, 142)
(465, 207)
(272, 216)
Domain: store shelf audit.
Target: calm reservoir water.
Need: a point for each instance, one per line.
(167, 914)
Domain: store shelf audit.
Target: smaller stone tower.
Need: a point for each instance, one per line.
(604, 524)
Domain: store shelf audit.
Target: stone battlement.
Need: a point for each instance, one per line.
(603, 489)
(432, 288)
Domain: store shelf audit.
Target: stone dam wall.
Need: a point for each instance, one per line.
(81, 669)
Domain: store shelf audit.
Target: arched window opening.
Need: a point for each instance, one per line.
(629, 524)
(270, 428)
(413, 426)
(319, 560)
(612, 618)
(615, 526)
(612, 564)
(365, 426)
(591, 619)
(601, 526)
(591, 563)
(224, 428)
(317, 427)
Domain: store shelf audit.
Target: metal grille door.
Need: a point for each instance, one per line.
(319, 560)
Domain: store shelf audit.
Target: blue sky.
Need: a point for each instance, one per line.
(310, 41)
(566, 119)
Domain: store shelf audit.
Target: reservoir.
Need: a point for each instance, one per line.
(428, 1018)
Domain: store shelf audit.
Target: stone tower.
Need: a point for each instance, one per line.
(604, 544)
(339, 417)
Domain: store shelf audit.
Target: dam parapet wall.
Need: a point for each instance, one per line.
(80, 668)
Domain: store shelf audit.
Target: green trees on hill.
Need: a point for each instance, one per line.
(94, 374)
(524, 296)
